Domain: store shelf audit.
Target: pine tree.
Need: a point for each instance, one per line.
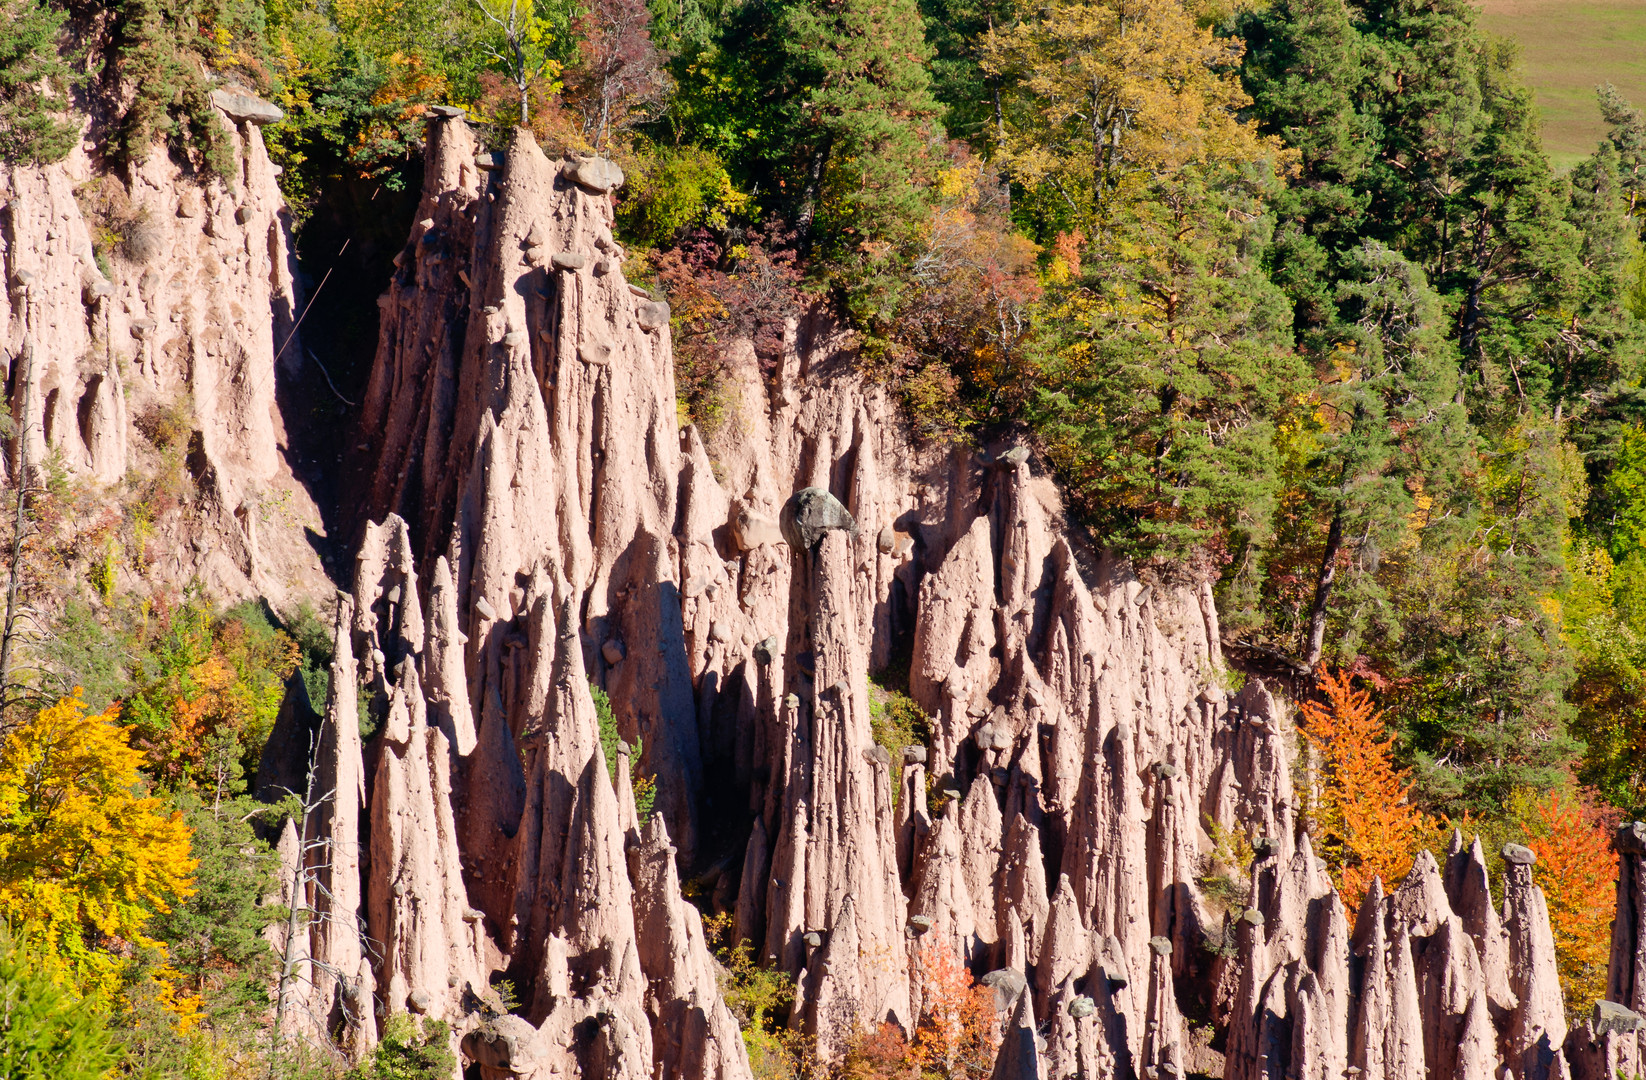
(1461, 186)
(1393, 447)
(1626, 131)
(1599, 342)
(1483, 667)
(1170, 362)
(33, 129)
(45, 1032)
(863, 123)
(214, 937)
(1424, 57)
(972, 100)
(1306, 70)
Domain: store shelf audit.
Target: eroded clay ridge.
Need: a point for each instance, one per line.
(186, 309)
(546, 525)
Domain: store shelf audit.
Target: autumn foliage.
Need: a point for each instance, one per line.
(85, 858)
(721, 293)
(956, 1035)
(204, 681)
(880, 1054)
(955, 1038)
(1366, 827)
(1577, 870)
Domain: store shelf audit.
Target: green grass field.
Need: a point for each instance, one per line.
(1569, 46)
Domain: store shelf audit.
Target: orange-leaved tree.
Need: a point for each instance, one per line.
(85, 858)
(955, 1038)
(203, 678)
(881, 1053)
(1577, 870)
(1365, 826)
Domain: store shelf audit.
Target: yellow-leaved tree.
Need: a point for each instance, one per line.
(85, 857)
(1164, 352)
(1104, 97)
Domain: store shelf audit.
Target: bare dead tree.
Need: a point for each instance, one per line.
(520, 54)
(21, 474)
(311, 900)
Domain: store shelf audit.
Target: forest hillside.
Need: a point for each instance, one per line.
(779, 538)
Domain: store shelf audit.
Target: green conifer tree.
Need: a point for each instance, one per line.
(865, 140)
(45, 1033)
(1391, 456)
(33, 129)
(214, 937)
(1306, 70)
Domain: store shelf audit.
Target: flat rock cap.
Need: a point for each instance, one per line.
(595, 174)
(1014, 457)
(243, 107)
(1610, 1016)
(1009, 979)
(811, 512)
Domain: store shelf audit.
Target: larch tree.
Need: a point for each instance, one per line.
(1169, 356)
(1103, 98)
(1366, 827)
(1577, 870)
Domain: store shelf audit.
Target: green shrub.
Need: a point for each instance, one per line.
(101, 574)
(676, 188)
(214, 937)
(895, 722)
(412, 1049)
(314, 640)
(1226, 871)
(45, 1033)
(644, 787)
(84, 652)
(759, 999)
(162, 51)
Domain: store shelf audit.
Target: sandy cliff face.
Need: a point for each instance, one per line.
(541, 524)
(197, 298)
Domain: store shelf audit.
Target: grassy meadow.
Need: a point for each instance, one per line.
(1569, 46)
